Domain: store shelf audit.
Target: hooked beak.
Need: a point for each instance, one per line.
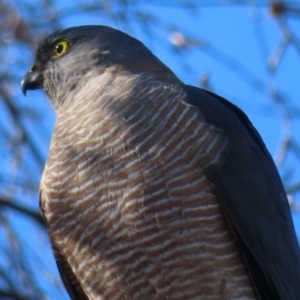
(31, 81)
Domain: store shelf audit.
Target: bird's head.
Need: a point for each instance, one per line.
(67, 58)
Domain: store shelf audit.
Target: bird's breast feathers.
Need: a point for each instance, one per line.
(128, 176)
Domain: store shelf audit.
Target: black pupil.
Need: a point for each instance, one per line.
(59, 48)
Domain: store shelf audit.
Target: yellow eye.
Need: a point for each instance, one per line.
(60, 48)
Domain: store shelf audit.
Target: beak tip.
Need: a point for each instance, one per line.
(31, 81)
(23, 87)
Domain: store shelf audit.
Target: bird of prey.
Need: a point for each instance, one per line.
(154, 189)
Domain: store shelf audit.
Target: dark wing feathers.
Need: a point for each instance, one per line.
(65, 271)
(249, 188)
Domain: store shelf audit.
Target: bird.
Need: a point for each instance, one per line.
(155, 189)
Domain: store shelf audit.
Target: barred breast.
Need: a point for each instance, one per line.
(127, 199)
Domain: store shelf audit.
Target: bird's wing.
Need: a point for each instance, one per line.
(249, 188)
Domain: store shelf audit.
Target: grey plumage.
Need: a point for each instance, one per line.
(149, 184)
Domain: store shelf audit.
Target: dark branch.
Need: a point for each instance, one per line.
(34, 215)
(12, 296)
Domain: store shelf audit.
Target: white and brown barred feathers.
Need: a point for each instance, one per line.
(126, 197)
(154, 189)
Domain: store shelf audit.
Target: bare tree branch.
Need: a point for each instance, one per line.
(32, 214)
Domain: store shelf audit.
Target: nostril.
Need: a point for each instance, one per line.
(33, 69)
(37, 67)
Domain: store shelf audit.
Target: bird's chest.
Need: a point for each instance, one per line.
(122, 159)
(132, 193)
